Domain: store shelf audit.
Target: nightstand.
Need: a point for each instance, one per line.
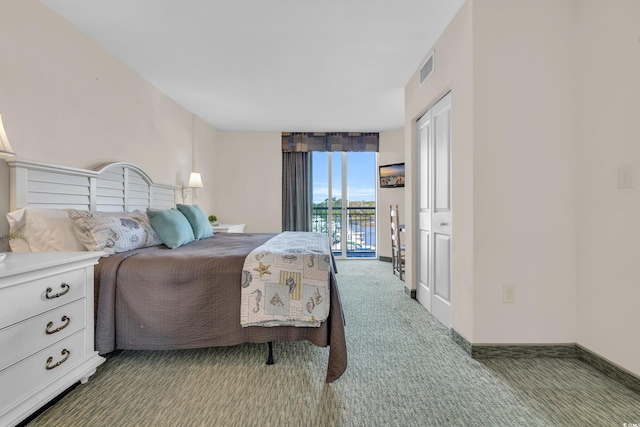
(228, 228)
(46, 328)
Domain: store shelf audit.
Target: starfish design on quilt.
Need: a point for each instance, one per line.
(263, 269)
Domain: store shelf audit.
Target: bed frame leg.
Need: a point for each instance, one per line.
(270, 358)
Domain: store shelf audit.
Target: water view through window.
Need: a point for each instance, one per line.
(344, 201)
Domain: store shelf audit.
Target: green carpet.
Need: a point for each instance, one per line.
(404, 370)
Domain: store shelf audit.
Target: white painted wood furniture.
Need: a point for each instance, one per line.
(47, 336)
(114, 187)
(46, 328)
(228, 228)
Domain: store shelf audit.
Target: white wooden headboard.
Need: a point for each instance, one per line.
(114, 187)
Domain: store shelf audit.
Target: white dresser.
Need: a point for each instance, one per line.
(228, 228)
(46, 328)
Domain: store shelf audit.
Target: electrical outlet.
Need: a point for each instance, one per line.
(509, 294)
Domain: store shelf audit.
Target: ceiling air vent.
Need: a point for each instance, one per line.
(426, 69)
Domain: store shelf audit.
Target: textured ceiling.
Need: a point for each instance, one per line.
(272, 65)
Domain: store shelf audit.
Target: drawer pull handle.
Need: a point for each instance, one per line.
(66, 353)
(50, 325)
(65, 289)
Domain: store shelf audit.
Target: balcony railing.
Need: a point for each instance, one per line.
(359, 235)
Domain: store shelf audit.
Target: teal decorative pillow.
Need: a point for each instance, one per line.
(198, 220)
(172, 227)
(113, 232)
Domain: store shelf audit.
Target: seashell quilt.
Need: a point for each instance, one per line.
(285, 281)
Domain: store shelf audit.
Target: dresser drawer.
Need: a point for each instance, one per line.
(32, 373)
(25, 300)
(25, 338)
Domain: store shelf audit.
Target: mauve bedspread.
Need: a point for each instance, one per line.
(164, 299)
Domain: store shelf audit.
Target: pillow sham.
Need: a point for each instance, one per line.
(43, 230)
(113, 232)
(198, 220)
(172, 227)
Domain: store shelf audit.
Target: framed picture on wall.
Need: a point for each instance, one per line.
(392, 176)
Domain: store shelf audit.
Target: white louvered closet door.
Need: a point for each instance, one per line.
(434, 217)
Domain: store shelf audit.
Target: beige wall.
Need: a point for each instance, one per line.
(608, 218)
(204, 157)
(391, 151)
(524, 170)
(248, 180)
(554, 95)
(64, 100)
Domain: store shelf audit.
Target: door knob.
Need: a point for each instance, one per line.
(444, 224)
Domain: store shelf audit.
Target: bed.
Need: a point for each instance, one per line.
(151, 296)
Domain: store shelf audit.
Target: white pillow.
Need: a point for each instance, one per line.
(45, 230)
(113, 232)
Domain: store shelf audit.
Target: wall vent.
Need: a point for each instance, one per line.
(426, 69)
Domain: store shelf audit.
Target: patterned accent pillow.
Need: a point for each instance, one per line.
(113, 232)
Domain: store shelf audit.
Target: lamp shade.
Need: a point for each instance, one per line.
(5, 146)
(195, 180)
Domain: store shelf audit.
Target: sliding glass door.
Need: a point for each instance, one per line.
(344, 203)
